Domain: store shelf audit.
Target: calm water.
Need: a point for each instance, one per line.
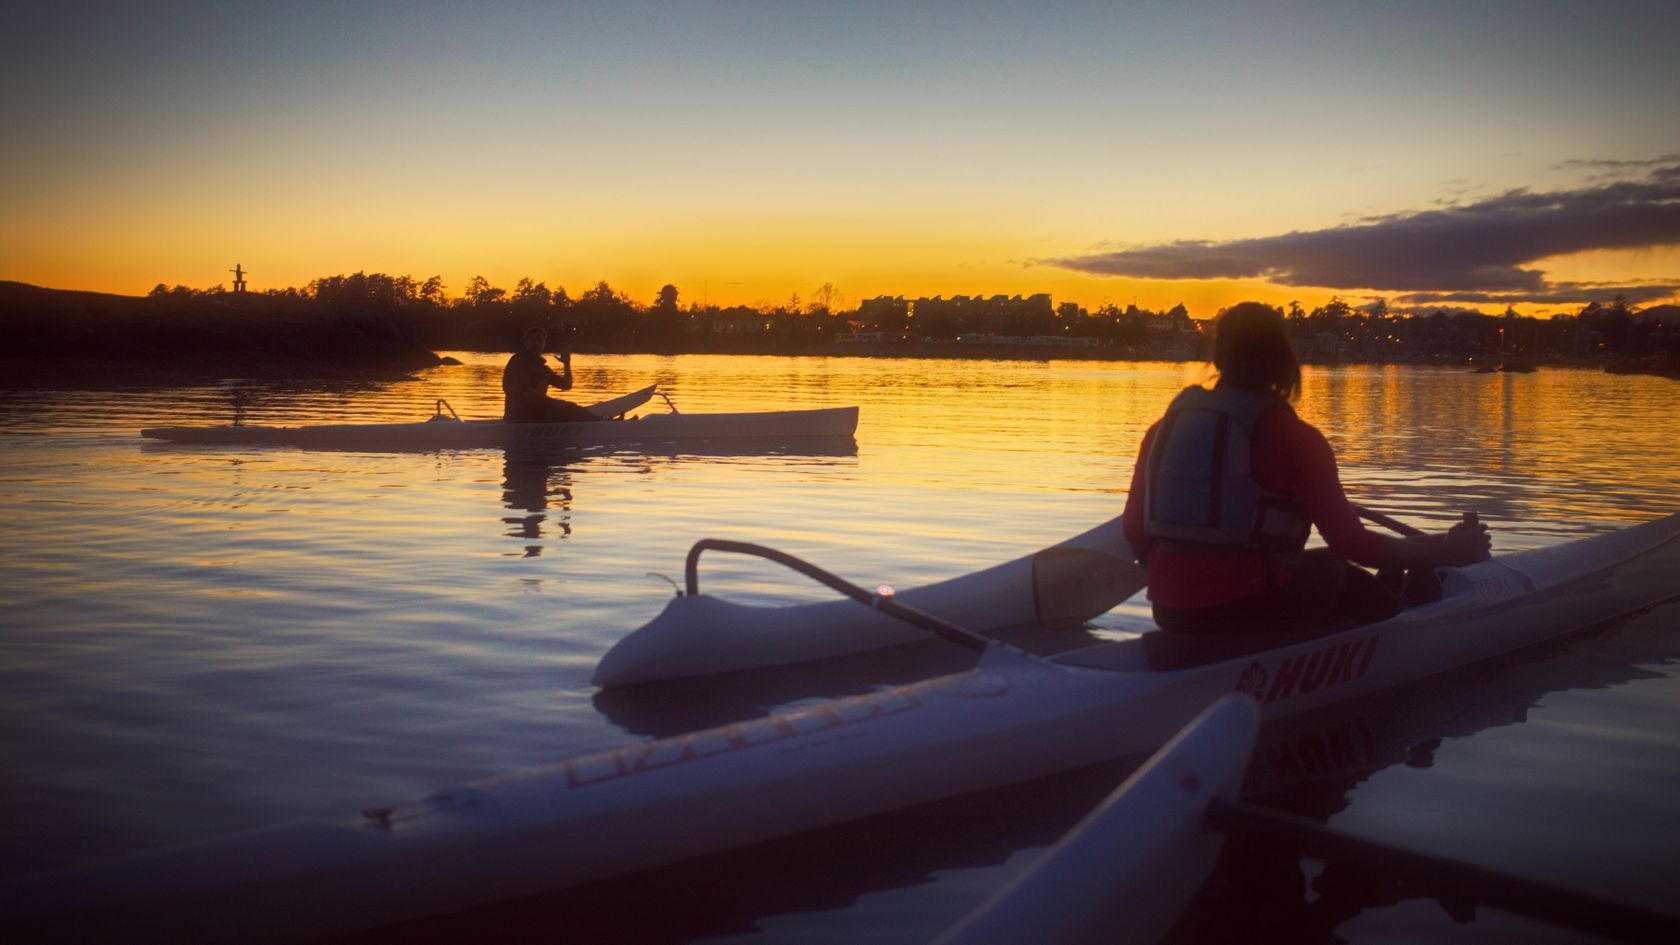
(201, 640)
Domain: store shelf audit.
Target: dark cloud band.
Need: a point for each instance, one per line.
(1560, 293)
(1485, 248)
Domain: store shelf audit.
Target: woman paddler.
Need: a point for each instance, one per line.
(1227, 487)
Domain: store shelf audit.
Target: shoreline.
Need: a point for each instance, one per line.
(20, 372)
(68, 340)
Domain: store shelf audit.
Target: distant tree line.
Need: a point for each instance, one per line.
(488, 317)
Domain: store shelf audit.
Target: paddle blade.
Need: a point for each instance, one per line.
(1073, 585)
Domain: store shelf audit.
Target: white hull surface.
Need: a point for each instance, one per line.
(694, 635)
(449, 433)
(1012, 718)
(1129, 867)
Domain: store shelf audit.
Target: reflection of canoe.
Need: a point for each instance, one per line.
(697, 634)
(1012, 718)
(446, 432)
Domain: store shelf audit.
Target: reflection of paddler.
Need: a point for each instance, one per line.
(525, 488)
(526, 380)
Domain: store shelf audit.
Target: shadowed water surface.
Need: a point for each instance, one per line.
(197, 640)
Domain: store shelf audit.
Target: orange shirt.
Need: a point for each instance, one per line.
(1290, 457)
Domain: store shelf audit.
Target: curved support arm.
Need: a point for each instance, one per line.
(881, 602)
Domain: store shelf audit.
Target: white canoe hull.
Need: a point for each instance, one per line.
(1139, 857)
(832, 422)
(694, 635)
(1012, 718)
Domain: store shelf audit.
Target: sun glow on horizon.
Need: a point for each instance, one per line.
(747, 155)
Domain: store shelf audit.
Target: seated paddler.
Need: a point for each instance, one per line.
(1229, 484)
(526, 380)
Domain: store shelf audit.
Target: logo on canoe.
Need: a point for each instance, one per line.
(1253, 680)
(1326, 666)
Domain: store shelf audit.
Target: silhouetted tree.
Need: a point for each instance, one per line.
(666, 300)
(528, 295)
(822, 300)
(481, 292)
(604, 313)
(1614, 324)
(1336, 309)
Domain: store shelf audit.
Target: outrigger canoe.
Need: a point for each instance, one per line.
(1010, 718)
(447, 431)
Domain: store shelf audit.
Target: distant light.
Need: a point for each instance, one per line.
(884, 590)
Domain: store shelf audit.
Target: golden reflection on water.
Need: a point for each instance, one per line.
(1552, 444)
(205, 639)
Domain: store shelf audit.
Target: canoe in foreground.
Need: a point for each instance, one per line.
(696, 634)
(443, 432)
(1126, 871)
(1012, 718)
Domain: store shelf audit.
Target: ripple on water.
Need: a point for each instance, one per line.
(197, 640)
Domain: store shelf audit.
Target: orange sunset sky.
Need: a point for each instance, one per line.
(1435, 153)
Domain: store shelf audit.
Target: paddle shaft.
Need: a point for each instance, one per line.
(1388, 522)
(1450, 878)
(881, 602)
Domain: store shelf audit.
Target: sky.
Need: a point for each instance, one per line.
(1428, 153)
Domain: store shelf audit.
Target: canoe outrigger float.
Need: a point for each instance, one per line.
(1011, 718)
(449, 431)
(1129, 868)
(1063, 585)
(1125, 872)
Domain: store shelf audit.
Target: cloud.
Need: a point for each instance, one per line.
(1612, 167)
(1485, 248)
(1559, 293)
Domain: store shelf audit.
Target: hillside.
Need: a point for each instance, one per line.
(60, 338)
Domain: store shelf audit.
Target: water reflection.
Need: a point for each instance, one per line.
(532, 481)
(539, 480)
(176, 569)
(1264, 892)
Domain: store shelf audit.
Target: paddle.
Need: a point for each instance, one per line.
(1073, 585)
(1388, 522)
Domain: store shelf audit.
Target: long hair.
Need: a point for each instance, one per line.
(1251, 350)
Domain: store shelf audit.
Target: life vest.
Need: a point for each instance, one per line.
(1200, 495)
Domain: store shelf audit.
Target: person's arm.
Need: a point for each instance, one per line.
(563, 380)
(1464, 543)
(565, 370)
(1328, 507)
(1131, 519)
